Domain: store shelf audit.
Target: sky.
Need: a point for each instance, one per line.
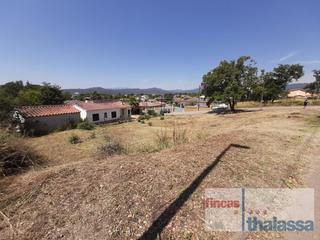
(169, 44)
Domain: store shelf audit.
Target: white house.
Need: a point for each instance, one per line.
(104, 111)
(48, 118)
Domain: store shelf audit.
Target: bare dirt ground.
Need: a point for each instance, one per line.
(80, 194)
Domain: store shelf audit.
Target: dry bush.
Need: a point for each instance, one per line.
(111, 147)
(179, 136)
(162, 139)
(16, 157)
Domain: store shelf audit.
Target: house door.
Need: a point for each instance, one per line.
(122, 114)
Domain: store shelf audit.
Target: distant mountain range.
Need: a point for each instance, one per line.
(113, 91)
(296, 86)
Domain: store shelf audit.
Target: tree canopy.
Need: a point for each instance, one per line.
(14, 94)
(275, 82)
(237, 80)
(314, 87)
(231, 81)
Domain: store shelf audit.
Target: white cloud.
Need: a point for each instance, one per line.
(290, 55)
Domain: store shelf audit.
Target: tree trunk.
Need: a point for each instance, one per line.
(231, 104)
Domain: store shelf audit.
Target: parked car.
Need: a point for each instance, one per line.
(218, 108)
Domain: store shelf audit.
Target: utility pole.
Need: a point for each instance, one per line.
(262, 88)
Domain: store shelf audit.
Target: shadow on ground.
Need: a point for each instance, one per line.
(162, 221)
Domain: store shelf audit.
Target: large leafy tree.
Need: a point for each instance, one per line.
(231, 81)
(134, 103)
(14, 94)
(12, 89)
(30, 97)
(51, 94)
(275, 82)
(314, 87)
(9, 93)
(168, 98)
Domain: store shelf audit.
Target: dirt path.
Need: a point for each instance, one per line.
(311, 179)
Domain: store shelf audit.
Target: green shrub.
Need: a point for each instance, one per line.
(150, 124)
(74, 139)
(162, 118)
(152, 113)
(142, 121)
(4, 137)
(85, 125)
(111, 147)
(141, 117)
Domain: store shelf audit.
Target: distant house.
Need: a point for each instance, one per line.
(297, 93)
(185, 100)
(47, 118)
(151, 105)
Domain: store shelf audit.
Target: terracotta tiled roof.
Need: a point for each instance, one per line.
(90, 106)
(46, 110)
(150, 104)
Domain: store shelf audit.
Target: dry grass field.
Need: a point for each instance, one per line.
(81, 192)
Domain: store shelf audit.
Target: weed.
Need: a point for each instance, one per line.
(162, 139)
(74, 139)
(179, 136)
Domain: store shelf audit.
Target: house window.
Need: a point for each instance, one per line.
(113, 114)
(105, 115)
(95, 117)
(129, 112)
